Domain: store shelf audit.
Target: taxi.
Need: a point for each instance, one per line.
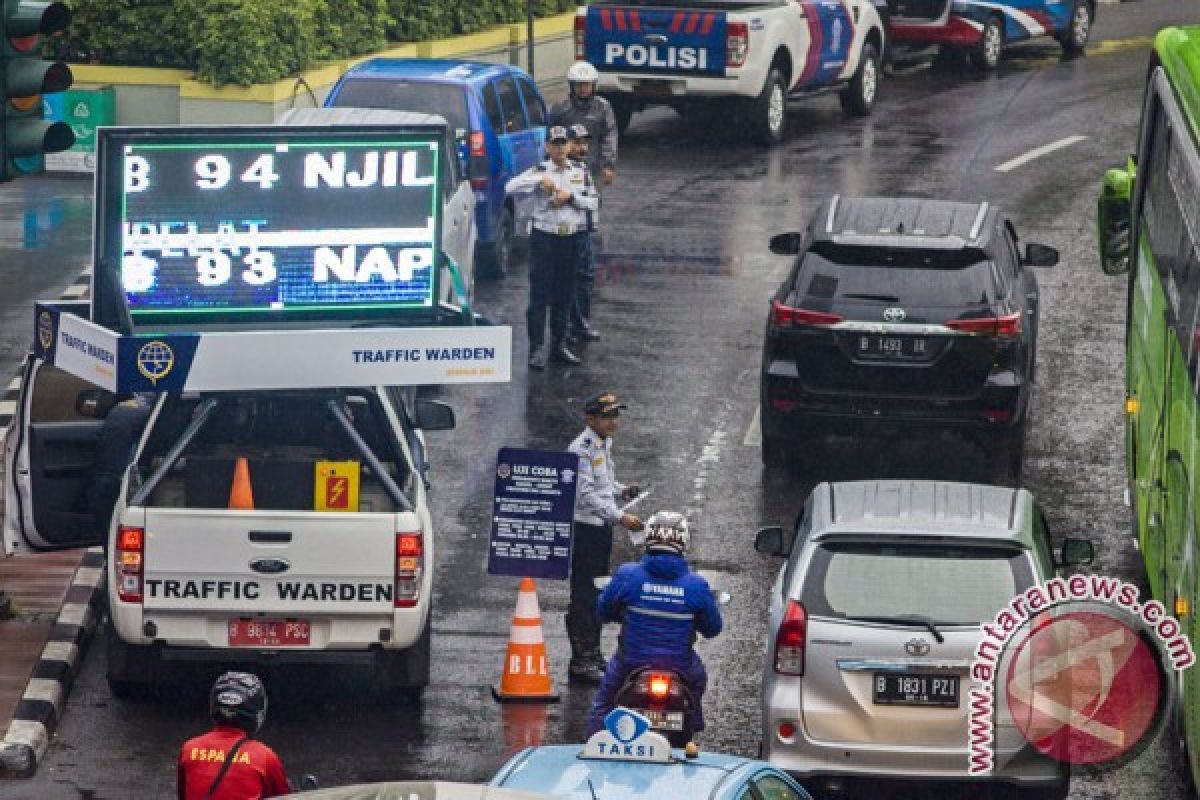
(418, 790)
(626, 760)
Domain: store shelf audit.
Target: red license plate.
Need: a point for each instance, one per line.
(268, 632)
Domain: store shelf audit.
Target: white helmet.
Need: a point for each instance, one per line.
(667, 531)
(582, 72)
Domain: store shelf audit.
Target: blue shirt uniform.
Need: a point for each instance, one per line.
(570, 217)
(597, 486)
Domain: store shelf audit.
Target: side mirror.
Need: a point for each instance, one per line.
(1076, 553)
(773, 541)
(786, 244)
(1114, 221)
(1040, 255)
(434, 416)
(94, 403)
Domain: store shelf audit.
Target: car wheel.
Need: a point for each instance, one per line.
(986, 55)
(1075, 37)
(768, 111)
(858, 99)
(497, 257)
(623, 112)
(129, 668)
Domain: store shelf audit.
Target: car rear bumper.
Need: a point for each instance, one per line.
(745, 82)
(957, 31)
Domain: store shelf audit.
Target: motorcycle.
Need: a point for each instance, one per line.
(663, 695)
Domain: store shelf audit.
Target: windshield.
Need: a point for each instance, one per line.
(912, 278)
(448, 100)
(946, 584)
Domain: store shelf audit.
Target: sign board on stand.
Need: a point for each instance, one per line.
(533, 512)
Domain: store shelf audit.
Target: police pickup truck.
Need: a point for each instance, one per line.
(750, 56)
(271, 505)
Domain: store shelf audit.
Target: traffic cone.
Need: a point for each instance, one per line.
(526, 678)
(240, 494)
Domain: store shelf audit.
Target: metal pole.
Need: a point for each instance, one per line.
(529, 37)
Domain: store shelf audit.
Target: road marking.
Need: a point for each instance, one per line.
(753, 437)
(1038, 152)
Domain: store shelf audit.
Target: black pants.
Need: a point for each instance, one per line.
(590, 550)
(553, 262)
(585, 283)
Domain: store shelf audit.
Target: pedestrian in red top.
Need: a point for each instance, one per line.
(226, 763)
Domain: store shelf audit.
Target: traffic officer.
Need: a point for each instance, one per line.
(118, 437)
(596, 512)
(563, 194)
(227, 763)
(585, 280)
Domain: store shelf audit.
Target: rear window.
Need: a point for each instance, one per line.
(946, 583)
(930, 278)
(445, 99)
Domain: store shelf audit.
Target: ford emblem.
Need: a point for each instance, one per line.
(894, 314)
(270, 566)
(916, 647)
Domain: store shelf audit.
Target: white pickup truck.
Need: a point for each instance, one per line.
(759, 54)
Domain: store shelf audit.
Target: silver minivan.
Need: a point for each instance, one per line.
(874, 622)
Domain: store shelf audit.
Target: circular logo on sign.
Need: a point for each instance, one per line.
(1086, 688)
(155, 360)
(45, 330)
(503, 471)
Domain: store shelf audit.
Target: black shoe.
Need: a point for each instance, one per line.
(583, 671)
(564, 356)
(597, 658)
(537, 360)
(587, 333)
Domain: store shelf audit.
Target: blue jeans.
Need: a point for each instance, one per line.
(614, 678)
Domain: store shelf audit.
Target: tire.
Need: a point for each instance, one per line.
(402, 676)
(768, 112)
(130, 668)
(623, 112)
(1076, 36)
(495, 260)
(858, 99)
(986, 55)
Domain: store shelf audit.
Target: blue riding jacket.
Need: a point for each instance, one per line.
(662, 605)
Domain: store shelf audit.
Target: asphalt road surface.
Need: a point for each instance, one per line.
(685, 274)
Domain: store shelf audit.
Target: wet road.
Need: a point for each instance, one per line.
(685, 274)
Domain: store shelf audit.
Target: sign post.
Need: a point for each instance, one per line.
(533, 512)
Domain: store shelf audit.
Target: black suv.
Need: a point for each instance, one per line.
(897, 313)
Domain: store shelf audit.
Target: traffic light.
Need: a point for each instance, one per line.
(24, 76)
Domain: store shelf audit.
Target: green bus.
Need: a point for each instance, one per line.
(1148, 221)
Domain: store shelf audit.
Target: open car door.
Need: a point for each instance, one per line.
(49, 457)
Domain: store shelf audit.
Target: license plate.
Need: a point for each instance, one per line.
(664, 720)
(900, 348)
(269, 632)
(915, 689)
(653, 89)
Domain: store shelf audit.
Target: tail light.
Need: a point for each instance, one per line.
(580, 37)
(130, 563)
(1006, 327)
(410, 567)
(737, 43)
(786, 316)
(660, 686)
(479, 160)
(789, 640)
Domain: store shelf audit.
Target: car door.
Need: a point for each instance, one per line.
(535, 113)
(518, 143)
(1025, 289)
(831, 31)
(49, 455)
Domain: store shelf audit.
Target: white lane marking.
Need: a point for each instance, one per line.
(753, 437)
(1038, 152)
(78, 290)
(8, 408)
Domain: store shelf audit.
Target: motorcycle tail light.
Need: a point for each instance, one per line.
(660, 686)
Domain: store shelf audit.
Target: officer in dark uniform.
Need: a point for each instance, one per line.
(119, 435)
(596, 512)
(585, 279)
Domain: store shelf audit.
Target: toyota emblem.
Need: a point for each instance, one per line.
(894, 314)
(916, 647)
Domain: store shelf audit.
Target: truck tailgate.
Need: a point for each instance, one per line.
(264, 561)
(655, 40)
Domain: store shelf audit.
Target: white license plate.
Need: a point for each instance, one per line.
(665, 720)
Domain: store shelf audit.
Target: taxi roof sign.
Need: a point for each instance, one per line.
(626, 736)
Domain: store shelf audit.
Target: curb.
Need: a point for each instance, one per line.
(40, 708)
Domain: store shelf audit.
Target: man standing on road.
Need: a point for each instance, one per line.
(579, 328)
(584, 107)
(596, 512)
(563, 194)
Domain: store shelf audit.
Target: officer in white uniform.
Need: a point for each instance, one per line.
(563, 193)
(596, 512)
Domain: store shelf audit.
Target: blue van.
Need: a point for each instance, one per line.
(496, 113)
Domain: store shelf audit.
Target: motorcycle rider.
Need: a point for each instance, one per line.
(226, 763)
(661, 605)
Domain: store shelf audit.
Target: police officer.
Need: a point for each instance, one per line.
(661, 605)
(123, 424)
(227, 763)
(563, 193)
(585, 279)
(584, 106)
(596, 512)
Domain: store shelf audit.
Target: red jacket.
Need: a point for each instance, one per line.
(256, 771)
